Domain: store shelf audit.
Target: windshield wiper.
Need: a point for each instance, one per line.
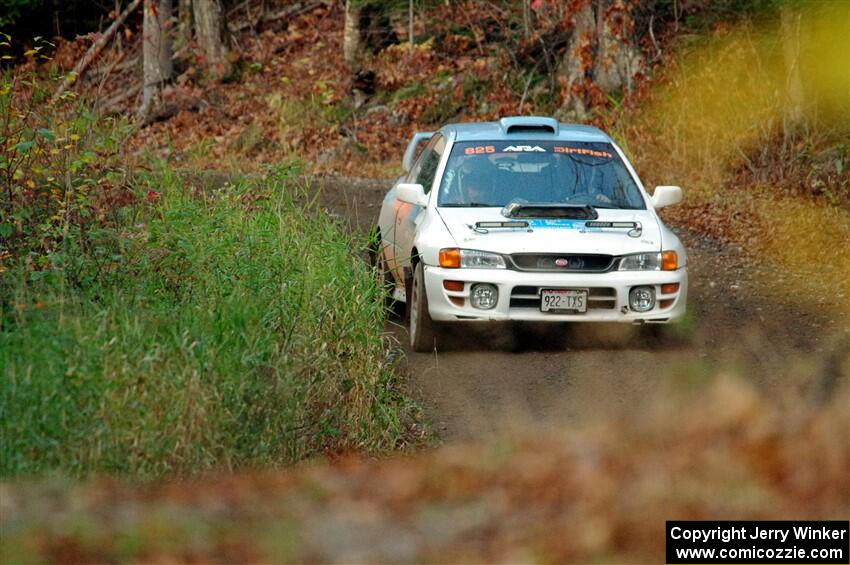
(469, 205)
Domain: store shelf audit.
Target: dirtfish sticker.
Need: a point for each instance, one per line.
(583, 151)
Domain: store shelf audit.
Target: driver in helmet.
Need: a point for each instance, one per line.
(476, 188)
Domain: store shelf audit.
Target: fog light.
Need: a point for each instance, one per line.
(642, 298)
(484, 296)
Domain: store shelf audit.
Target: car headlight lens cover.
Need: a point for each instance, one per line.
(664, 261)
(642, 298)
(484, 296)
(472, 259)
(641, 262)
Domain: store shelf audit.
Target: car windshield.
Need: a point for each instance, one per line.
(494, 173)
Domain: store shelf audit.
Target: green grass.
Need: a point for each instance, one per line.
(210, 330)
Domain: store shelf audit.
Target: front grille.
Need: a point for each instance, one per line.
(598, 298)
(562, 262)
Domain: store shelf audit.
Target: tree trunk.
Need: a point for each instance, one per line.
(184, 24)
(602, 56)
(209, 29)
(156, 52)
(410, 25)
(794, 119)
(351, 41)
(57, 29)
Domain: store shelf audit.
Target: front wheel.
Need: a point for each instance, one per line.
(423, 330)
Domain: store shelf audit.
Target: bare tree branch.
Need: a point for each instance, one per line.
(95, 49)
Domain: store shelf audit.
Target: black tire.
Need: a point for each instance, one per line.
(423, 330)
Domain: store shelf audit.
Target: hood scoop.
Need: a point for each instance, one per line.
(562, 211)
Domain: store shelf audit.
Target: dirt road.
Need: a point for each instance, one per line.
(488, 379)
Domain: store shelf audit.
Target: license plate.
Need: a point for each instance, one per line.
(563, 299)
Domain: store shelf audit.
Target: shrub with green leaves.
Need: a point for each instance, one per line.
(61, 168)
(228, 328)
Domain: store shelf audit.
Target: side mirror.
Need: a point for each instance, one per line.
(666, 196)
(412, 193)
(410, 153)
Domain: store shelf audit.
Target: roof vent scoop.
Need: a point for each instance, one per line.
(529, 124)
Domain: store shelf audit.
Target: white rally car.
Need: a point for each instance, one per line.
(527, 219)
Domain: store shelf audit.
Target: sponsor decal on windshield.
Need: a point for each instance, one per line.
(562, 149)
(479, 150)
(583, 151)
(528, 148)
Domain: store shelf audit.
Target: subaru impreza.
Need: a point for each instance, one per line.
(526, 219)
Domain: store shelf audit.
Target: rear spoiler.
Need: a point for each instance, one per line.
(410, 152)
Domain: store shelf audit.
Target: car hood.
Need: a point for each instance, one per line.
(553, 235)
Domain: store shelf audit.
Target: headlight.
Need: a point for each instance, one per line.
(481, 260)
(664, 261)
(641, 262)
(470, 259)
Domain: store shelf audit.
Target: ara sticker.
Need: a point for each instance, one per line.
(479, 150)
(583, 151)
(529, 148)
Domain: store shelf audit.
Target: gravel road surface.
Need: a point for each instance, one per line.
(746, 318)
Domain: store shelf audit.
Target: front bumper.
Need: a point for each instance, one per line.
(608, 295)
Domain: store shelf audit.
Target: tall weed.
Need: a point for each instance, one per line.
(232, 328)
